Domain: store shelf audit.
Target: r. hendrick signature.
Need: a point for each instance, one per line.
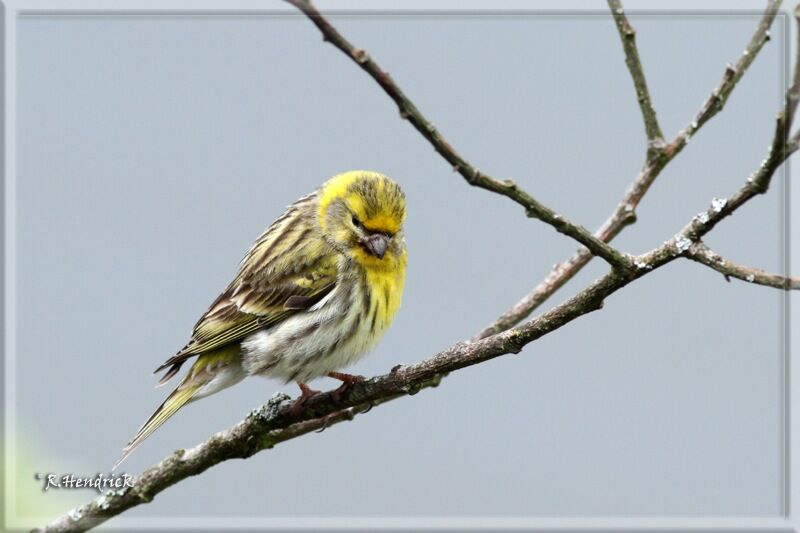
(71, 481)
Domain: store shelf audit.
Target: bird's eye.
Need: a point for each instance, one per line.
(356, 222)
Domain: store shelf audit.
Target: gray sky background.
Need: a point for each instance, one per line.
(153, 150)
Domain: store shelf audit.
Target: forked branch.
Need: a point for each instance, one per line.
(473, 176)
(656, 160)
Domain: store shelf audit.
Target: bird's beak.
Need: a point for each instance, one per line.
(376, 244)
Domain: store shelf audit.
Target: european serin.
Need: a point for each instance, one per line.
(314, 294)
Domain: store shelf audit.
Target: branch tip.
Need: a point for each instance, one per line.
(627, 35)
(701, 253)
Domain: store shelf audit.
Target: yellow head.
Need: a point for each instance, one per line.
(361, 214)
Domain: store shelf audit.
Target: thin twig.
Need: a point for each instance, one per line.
(625, 212)
(716, 101)
(627, 35)
(793, 93)
(473, 176)
(703, 254)
(757, 183)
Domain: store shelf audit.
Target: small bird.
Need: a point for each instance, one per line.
(314, 293)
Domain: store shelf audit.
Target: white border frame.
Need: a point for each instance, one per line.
(11, 12)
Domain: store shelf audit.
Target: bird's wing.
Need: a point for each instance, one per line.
(288, 269)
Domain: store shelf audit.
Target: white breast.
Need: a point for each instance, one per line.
(331, 335)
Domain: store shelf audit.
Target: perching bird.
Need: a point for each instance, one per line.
(313, 294)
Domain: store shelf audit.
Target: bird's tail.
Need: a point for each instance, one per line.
(210, 373)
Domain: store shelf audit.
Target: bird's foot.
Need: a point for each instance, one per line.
(306, 392)
(348, 380)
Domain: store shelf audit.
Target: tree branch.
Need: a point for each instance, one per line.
(627, 35)
(757, 183)
(734, 73)
(625, 212)
(473, 176)
(277, 422)
(704, 255)
(793, 93)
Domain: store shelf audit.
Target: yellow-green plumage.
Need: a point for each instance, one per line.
(313, 294)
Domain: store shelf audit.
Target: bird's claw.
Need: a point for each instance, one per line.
(348, 380)
(306, 392)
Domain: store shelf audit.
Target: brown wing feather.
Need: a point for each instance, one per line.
(288, 269)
